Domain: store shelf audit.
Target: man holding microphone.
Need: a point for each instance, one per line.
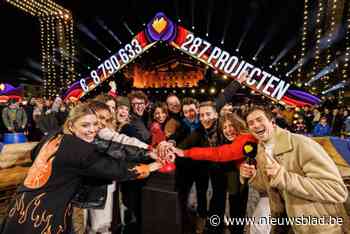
(299, 177)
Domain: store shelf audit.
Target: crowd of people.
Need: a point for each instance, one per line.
(37, 116)
(112, 143)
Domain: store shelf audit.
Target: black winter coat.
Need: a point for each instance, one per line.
(48, 208)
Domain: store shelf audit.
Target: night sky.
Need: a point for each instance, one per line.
(276, 21)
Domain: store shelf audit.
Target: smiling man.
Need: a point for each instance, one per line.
(298, 176)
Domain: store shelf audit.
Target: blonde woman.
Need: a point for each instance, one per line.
(61, 163)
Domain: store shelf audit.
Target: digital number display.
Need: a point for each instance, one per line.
(113, 64)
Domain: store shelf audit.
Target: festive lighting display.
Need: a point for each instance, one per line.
(332, 31)
(304, 37)
(57, 35)
(319, 31)
(345, 69)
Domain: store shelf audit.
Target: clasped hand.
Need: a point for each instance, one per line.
(166, 152)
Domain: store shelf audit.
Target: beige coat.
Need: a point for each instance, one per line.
(307, 184)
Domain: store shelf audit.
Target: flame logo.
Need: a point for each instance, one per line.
(159, 24)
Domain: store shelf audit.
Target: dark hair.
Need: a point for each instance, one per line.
(208, 103)
(190, 101)
(238, 123)
(138, 94)
(266, 111)
(160, 105)
(97, 105)
(104, 98)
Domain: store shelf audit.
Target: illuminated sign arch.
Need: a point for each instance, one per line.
(161, 28)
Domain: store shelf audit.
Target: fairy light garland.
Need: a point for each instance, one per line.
(52, 16)
(318, 37)
(304, 38)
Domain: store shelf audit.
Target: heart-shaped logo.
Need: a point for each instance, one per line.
(248, 148)
(159, 24)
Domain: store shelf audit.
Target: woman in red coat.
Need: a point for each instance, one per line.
(159, 115)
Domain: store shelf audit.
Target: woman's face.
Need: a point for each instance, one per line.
(229, 130)
(159, 115)
(122, 114)
(85, 128)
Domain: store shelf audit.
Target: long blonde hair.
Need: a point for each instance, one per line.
(76, 113)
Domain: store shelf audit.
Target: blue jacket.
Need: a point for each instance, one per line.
(321, 130)
(347, 124)
(191, 126)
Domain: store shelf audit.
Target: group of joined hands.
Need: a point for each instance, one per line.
(166, 152)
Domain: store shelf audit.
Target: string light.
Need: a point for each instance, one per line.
(51, 16)
(345, 69)
(318, 37)
(43, 52)
(304, 37)
(332, 29)
(69, 29)
(62, 54)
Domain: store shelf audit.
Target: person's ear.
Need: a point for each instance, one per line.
(70, 127)
(273, 122)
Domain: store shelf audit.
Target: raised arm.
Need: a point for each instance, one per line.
(230, 91)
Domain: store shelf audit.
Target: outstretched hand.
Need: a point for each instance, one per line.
(142, 171)
(178, 152)
(165, 152)
(163, 149)
(243, 77)
(113, 85)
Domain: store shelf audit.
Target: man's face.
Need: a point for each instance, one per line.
(227, 108)
(260, 126)
(48, 103)
(207, 116)
(13, 105)
(138, 106)
(174, 104)
(323, 121)
(190, 112)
